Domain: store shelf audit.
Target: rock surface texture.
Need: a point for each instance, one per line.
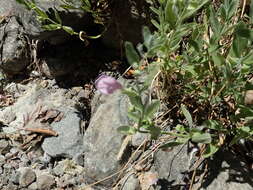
(102, 142)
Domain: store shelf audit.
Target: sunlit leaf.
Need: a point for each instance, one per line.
(147, 36)
(187, 115)
(128, 130)
(69, 30)
(131, 54)
(215, 125)
(51, 27)
(152, 108)
(57, 16)
(134, 98)
(210, 150)
(204, 138)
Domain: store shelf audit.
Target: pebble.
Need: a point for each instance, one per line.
(45, 182)
(27, 176)
(79, 159)
(33, 186)
(14, 178)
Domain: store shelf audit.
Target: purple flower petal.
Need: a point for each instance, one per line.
(107, 85)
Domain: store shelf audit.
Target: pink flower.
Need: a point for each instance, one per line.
(107, 85)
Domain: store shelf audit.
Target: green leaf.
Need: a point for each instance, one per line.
(57, 16)
(187, 115)
(51, 27)
(238, 46)
(131, 54)
(204, 138)
(215, 24)
(156, 11)
(86, 3)
(134, 116)
(210, 150)
(180, 128)
(128, 130)
(155, 23)
(218, 59)
(134, 98)
(147, 37)
(151, 108)
(251, 11)
(215, 125)
(245, 112)
(242, 30)
(155, 132)
(228, 9)
(171, 14)
(40, 12)
(193, 9)
(69, 30)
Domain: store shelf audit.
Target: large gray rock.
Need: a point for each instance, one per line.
(18, 27)
(226, 171)
(14, 46)
(102, 141)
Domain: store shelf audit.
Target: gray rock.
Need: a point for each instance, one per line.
(171, 166)
(102, 141)
(33, 186)
(19, 26)
(14, 178)
(45, 182)
(15, 56)
(7, 116)
(27, 176)
(68, 143)
(138, 138)
(227, 172)
(10, 187)
(132, 183)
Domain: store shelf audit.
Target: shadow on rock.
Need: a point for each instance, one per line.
(228, 169)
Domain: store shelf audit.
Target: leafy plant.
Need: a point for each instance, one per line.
(204, 62)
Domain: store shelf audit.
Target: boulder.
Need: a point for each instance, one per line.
(102, 141)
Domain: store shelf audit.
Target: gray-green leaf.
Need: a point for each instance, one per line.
(187, 115)
(131, 54)
(128, 130)
(152, 108)
(204, 138)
